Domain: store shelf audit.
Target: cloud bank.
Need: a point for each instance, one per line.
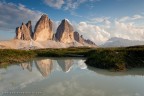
(98, 29)
(101, 29)
(13, 15)
(66, 4)
(55, 3)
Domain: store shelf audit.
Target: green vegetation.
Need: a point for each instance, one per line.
(9, 56)
(117, 59)
(63, 52)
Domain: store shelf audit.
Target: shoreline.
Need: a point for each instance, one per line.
(113, 59)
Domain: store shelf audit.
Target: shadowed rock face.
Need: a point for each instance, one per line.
(18, 33)
(76, 36)
(65, 32)
(89, 42)
(43, 29)
(81, 40)
(29, 26)
(23, 32)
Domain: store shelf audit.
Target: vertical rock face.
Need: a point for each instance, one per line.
(90, 42)
(65, 32)
(29, 26)
(76, 36)
(18, 33)
(43, 29)
(81, 40)
(23, 32)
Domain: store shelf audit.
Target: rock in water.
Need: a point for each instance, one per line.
(23, 32)
(65, 32)
(43, 29)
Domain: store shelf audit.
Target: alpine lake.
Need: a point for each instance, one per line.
(68, 77)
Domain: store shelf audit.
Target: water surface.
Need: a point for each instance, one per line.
(68, 77)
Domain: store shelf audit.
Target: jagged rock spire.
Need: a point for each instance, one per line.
(23, 32)
(65, 32)
(43, 29)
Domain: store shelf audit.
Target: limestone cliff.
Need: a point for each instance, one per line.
(43, 29)
(65, 32)
(23, 32)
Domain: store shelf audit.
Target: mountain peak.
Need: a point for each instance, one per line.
(65, 32)
(44, 16)
(120, 42)
(43, 29)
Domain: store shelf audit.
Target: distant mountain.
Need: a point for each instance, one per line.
(120, 42)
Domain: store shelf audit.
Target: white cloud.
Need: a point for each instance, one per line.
(128, 18)
(93, 32)
(100, 19)
(76, 14)
(106, 29)
(13, 15)
(71, 4)
(68, 87)
(128, 31)
(55, 3)
(137, 17)
(66, 4)
(103, 21)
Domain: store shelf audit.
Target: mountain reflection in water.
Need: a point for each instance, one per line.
(66, 77)
(45, 66)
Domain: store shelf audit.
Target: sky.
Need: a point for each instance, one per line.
(98, 20)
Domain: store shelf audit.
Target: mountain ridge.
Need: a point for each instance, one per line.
(44, 37)
(121, 42)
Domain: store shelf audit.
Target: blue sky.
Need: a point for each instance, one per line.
(88, 8)
(96, 19)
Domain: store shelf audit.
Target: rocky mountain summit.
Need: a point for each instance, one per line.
(65, 32)
(43, 31)
(24, 31)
